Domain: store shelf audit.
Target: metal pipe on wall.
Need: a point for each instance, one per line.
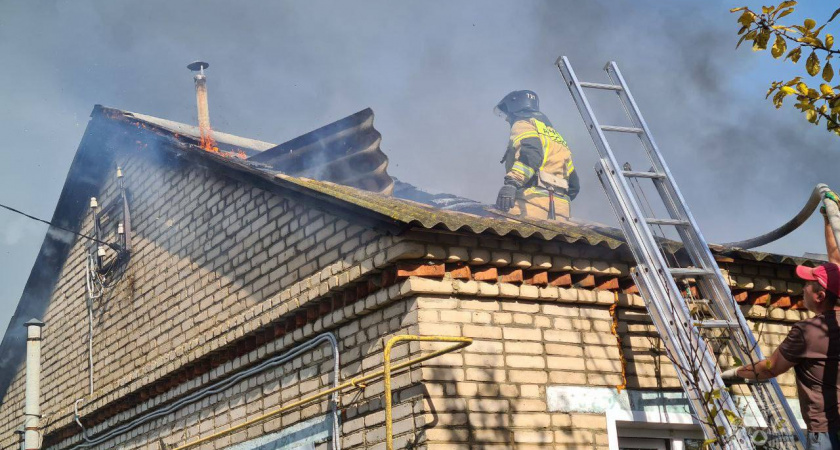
(221, 386)
(201, 101)
(353, 384)
(32, 408)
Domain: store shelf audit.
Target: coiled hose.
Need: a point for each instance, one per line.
(813, 201)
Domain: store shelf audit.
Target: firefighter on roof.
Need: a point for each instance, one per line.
(541, 180)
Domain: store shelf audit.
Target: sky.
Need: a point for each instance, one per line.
(431, 71)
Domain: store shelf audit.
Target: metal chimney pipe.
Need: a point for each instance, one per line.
(32, 409)
(201, 101)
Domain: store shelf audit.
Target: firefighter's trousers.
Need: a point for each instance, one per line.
(535, 205)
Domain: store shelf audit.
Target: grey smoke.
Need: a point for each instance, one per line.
(60, 235)
(431, 71)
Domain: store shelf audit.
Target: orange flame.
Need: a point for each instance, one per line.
(207, 142)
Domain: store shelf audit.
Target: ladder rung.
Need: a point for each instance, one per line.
(675, 222)
(609, 87)
(630, 173)
(622, 129)
(693, 272)
(716, 324)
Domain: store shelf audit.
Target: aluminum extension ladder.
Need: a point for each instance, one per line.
(675, 318)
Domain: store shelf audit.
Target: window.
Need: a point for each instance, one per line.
(653, 431)
(642, 444)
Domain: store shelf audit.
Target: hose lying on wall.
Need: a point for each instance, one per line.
(799, 219)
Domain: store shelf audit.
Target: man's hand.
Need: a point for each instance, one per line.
(506, 198)
(730, 376)
(831, 195)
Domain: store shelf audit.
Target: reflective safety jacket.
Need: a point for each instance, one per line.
(538, 157)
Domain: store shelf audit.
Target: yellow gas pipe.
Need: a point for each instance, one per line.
(355, 383)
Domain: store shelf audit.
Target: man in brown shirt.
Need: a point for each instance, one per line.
(812, 349)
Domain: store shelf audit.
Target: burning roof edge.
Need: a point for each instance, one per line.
(410, 213)
(393, 214)
(193, 131)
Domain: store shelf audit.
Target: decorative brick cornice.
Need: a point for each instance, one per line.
(500, 276)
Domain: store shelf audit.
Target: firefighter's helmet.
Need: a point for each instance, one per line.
(517, 101)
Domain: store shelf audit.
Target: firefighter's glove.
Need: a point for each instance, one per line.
(506, 198)
(829, 195)
(730, 376)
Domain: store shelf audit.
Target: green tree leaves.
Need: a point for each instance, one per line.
(821, 105)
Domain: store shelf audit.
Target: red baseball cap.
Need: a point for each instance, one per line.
(827, 275)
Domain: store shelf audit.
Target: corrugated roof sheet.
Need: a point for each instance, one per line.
(345, 151)
(414, 213)
(425, 216)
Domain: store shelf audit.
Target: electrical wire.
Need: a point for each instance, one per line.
(220, 386)
(113, 246)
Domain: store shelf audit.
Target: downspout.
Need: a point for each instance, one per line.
(32, 409)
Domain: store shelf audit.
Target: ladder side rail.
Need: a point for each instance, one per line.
(645, 249)
(646, 243)
(693, 239)
(666, 316)
(771, 395)
(646, 246)
(672, 198)
(769, 392)
(588, 116)
(726, 305)
(672, 319)
(693, 395)
(609, 165)
(723, 304)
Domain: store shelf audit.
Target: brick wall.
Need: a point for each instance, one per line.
(216, 262)
(360, 339)
(210, 256)
(493, 395)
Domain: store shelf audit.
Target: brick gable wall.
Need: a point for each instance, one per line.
(208, 252)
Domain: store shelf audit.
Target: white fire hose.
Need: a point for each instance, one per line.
(817, 196)
(832, 211)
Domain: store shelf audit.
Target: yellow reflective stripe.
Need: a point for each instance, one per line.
(544, 140)
(526, 171)
(545, 155)
(525, 135)
(535, 191)
(549, 132)
(570, 167)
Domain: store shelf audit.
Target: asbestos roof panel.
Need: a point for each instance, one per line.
(416, 213)
(425, 216)
(345, 151)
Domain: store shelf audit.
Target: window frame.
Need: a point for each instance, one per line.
(658, 420)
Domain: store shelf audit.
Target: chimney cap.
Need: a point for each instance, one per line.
(197, 65)
(34, 321)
